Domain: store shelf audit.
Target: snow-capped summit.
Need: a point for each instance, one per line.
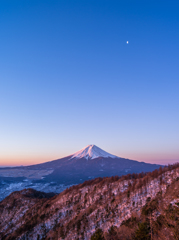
(92, 152)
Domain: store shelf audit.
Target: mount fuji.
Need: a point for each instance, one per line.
(92, 152)
(54, 176)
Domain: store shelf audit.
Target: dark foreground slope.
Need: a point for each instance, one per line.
(135, 206)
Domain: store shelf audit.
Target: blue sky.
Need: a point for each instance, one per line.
(68, 79)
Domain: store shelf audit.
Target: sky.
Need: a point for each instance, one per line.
(68, 79)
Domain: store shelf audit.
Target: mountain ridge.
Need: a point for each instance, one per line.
(134, 207)
(54, 176)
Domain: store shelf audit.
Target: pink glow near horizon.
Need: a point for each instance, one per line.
(154, 158)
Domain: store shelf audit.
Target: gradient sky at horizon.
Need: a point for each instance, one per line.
(68, 79)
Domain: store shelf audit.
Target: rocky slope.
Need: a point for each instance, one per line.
(135, 206)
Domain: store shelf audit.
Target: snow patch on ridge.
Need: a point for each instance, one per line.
(92, 152)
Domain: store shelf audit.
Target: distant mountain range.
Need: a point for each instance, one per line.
(54, 176)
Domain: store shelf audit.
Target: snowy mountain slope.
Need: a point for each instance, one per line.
(133, 207)
(54, 176)
(92, 152)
